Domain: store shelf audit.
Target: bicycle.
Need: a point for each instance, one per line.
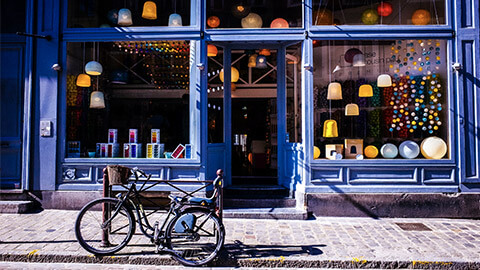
(191, 233)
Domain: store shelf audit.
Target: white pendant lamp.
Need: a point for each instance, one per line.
(384, 80)
(93, 68)
(97, 100)
(358, 60)
(352, 110)
(124, 17)
(334, 91)
(174, 20)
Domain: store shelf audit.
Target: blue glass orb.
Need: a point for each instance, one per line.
(261, 61)
(93, 68)
(175, 20)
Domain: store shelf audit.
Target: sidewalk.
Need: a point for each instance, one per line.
(49, 236)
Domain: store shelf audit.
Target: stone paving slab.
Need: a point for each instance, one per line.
(49, 236)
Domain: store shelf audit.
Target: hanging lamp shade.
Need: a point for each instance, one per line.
(261, 61)
(252, 61)
(384, 80)
(97, 100)
(149, 10)
(233, 73)
(350, 53)
(253, 20)
(212, 50)
(124, 17)
(213, 21)
(83, 80)
(240, 10)
(334, 91)
(93, 68)
(351, 109)
(265, 52)
(279, 23)
(365, 90)
(358, 60)
(175, 20)
(330, 129)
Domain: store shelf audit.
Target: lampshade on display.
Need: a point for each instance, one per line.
(83, 80)
(358, 60)
(334, 91)
(234, 75)
(261, 62)
(330, 129)
(213, 21)
(409, 149)
(93, 68)
(365, 90)
(421, 17)
(350, 53)
(384, 9)
(253, 20)
(97, 100)
(212, 50)
(252, 61)
(370, 151)
(265, 52)
(352, 110)
(389, 150)
(124, 17)
(316, 152)
(240, 10)
(433, 148)
(279, 23)
(149, 10)
(175, 20)
(384, 80)
(370, 17)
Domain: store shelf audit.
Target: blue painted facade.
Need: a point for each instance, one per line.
(41, 163)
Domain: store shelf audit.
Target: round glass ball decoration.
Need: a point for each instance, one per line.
(409, 149)
(213, 21)
(240, 10)
(384, 9)
(421, 17)
(279, 23)
(253, 20)
(433, 148)
(369, 17)
(316, 152)
(389, 150)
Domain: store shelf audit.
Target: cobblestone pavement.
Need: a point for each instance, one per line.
(49, 236)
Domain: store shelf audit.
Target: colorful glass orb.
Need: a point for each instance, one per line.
(97, 100)
(240, 11)
(212, 50)
(370, 151)
(351, 109)
(370, 17)
(433, 148)
(234, 74)
(330, 129)
(350, 53)
(265, 52)
(334, 91)
(252, 61)
(322, 17)
(83, 80)
(93, 68)
(384, 80)
(316, 152)
(384, 9)
(124, 17)
(279, 23)
(149, 10)
(213, 21)
(253, 20)
(389, 150)
(175, 20)
(409, 149)
(421, 17)
(365, 90)
(261, 62)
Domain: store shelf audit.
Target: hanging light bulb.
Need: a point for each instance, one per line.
(334, 91)
(384, 80)
(212, 50)
(240, 10)
(149, 10)
(83, 80)
(351, 109)
(175, 20)
(97, 100)
(124, 17)
(358, 60)
(261, 62)
(252, 61)
(365, 90)
(93, 68)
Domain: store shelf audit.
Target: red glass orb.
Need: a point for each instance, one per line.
(213, 21)
(279, 23)
(384, 9)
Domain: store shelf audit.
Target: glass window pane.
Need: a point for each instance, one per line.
(381, 99)
(215, 94)
(138, 106)
(111, 13)
(12, 17)
(254, 14)
(395, 12)
(294, 92)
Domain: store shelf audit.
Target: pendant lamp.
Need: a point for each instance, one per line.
(149, 10)
(261, 62)
(252, 61)
(175, 20)
(212, 50)
(124, 17)
(365, 90)
(83, 80)
(97, 100)
(93, 68)
(334, 91)
(358, 60)
(330, 129)
(265, 52)
(352, 110)
(240, 10)
(233, 73)
(253, 20)
(384, 80)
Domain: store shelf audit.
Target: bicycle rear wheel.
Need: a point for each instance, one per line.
(104, 226)
(195, 236)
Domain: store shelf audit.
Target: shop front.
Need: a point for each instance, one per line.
(351, 108)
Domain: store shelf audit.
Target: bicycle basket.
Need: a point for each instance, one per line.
(118, 175)
(185, 223)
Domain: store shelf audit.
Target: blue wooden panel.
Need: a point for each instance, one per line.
(183, 173)
(467, 13)
(439, 175)
(382, 175)
(215, 159)
(327, 175)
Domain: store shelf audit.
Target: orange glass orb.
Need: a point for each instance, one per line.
(421, 17)
(212, 50)
(279, 23)
(233, 87)
(213, 21)
(264, 52)
(384, 9)
(322, 17)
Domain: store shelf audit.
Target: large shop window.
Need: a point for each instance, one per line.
(254, 14)
(380, 99)
(374, 12)
(134, 103)
(122, 13)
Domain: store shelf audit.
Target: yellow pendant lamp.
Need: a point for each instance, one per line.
(330, 129)
(252, 61)
(212, 50)
(149, 10)
(365, 90)
(83, 80)
(334, 91)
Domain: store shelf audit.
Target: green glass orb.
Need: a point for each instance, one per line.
(370, 17)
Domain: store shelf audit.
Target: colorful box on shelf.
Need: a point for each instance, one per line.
(155, 150)
(333, 151)
(132, 150)
(108, 150)
(353, 147)
(113, 136)
(155, 136)
(133, 135)
(73, 149)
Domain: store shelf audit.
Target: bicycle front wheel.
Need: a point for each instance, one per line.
(195, 236)
(104, 226)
